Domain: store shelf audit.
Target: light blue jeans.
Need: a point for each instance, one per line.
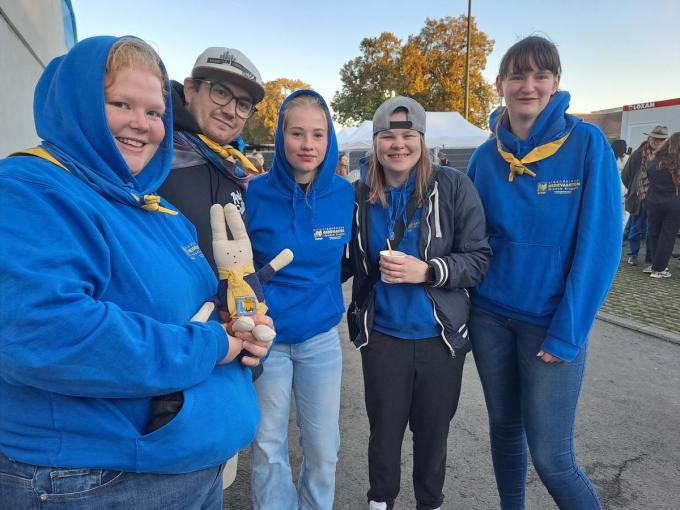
(28, 487)
(311, 371)
(532, 403)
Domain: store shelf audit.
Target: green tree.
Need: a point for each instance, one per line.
(430, 67)
(369, 79)
(261, 127)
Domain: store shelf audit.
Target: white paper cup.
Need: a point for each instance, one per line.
(386, 254)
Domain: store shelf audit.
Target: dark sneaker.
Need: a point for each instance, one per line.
(632, 261)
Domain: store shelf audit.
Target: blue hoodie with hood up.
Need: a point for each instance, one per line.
(305, 297)
(97, 297)
(556, 237)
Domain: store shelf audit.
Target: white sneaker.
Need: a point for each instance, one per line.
(377, 505)
(648, 270)
(661, 274)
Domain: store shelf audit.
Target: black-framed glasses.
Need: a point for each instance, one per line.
(222, 95)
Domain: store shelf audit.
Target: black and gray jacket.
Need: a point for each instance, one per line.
(452, 239)
(194, 184)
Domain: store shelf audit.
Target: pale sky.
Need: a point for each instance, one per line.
(614, 52)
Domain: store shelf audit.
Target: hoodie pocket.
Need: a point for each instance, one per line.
(302, 311)
(524, 277)
(218, 418)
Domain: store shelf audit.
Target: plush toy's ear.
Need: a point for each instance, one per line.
(219, 229)
(235, 222)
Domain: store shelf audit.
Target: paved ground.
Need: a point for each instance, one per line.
(626, 433)
(650, 302)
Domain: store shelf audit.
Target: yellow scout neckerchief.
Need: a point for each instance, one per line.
(151, 201)
(536, 154)
(240, 295)
(230, 154)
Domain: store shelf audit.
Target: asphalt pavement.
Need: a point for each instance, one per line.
(627, 430)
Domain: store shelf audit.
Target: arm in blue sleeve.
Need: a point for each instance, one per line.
(57, 334)
(596, 257)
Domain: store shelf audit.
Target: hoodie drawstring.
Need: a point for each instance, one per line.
(437, 222)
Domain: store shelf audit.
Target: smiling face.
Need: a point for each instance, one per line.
(305, 140)
(527, 93)
(134, 108)
(398, 150)
(219, 123)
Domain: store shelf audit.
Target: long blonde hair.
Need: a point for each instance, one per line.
(375, 175)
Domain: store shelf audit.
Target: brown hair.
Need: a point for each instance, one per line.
(131, 52)
(375, 175)
(669, 153)
(535, 50)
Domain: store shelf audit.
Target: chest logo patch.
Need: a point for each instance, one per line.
(329, 233)
(558, 187)
(193, 251)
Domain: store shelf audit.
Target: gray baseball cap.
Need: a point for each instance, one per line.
(230, 65)
(415, 115)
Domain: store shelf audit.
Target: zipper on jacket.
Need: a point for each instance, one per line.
(434, 306)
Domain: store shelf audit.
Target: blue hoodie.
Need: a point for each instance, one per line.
(556, 237)
(97, 296)
(305, 297)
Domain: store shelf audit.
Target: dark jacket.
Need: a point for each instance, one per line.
(661, 185)
(452, 239)
(194, 184)
(630, 177)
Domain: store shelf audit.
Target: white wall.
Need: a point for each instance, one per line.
(40, 24)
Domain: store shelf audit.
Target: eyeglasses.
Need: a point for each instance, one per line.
(222, 95)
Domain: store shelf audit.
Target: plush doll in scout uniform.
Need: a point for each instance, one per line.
(234, 259)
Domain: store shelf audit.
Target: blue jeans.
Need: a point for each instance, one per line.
(638, 233)
(29, 487)
(529, 402)
(311, 371)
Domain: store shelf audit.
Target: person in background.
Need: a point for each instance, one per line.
(303, 205)
(552, 198)
(620, 148)
(634, 178)
(663, 204)
(412, 362)
(343, 165)
(105, 277)
(443, 159)
(259, 161)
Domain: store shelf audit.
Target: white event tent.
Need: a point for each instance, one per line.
(444, 130)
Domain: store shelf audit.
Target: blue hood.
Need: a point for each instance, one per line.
(281, 173)
(70, 118)
(552, 123)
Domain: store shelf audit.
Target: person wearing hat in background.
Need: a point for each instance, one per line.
(413, 361)
(210, 110)
(443, 159)
(634, 178)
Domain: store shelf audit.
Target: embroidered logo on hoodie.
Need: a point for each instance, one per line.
(193, 251)
(329, 233)
(558, 187)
